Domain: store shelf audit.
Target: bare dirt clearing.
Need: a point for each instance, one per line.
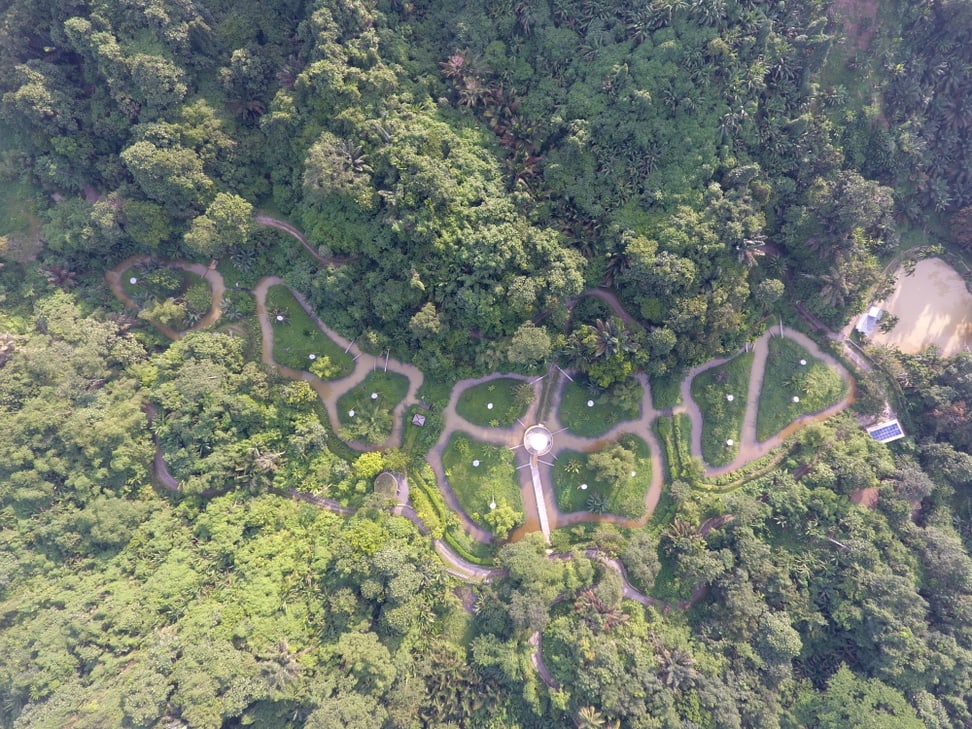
(933, 307)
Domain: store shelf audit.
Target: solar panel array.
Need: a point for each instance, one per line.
(887, 432)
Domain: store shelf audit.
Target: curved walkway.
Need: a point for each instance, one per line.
(331, 390)
(510, 437)
(271, 222)
(535, 500)
(216, 287)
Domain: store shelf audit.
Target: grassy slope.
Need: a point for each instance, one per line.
(472, 404)
(476, 487)
(785, 378)
(626, 500)
(722, 420)
(589, 422)
(298, 338)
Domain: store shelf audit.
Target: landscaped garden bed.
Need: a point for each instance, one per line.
(613, 480)
(496, 403)
(298, 343)
(592, 415)
(365, 411)
(481, 474)
(675, 434)
(795, 384)
(721, 394)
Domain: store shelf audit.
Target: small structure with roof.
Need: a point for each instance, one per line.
(418, 419)
(886, 432)
(868, 321)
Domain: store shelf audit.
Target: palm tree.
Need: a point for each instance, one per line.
(590, 718)
(677, 669)
(60, 276)
(751, 250)
(596, 503)
(612, 337)
(258, 468)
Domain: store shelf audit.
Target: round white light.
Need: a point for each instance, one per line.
(538, 441)
(476, 463)
(803, 362)
(133, 280)
(633, 474)
(492, 505)
(796, 399)
(489, 406)
(590, 403)
(730, 441)
(730, 398)
(280, 317)
(583, 487)
(350, 413)
(312, 356)
(374, 396)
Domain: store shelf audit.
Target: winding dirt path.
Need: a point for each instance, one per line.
(331, 391)
(510, 437)
(271, 222)
(217, 288)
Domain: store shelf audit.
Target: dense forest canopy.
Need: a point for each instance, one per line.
(464, 173)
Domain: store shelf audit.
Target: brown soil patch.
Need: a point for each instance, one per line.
(933, 306)
(859, 18)
(867, 498)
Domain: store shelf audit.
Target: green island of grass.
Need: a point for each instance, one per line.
(622, 494)
(296, 337)
(722, 418)
(507, 396)
(481, 474)
(620, 403)
(372, 402)
(814, 383)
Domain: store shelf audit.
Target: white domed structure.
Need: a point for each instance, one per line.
(537, 440)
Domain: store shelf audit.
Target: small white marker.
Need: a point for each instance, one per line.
(133, 280)
(590, 403)
(350, 413)
(796, 399)
(730, 441)
(374, 396)
(476, 464)
(312, 356)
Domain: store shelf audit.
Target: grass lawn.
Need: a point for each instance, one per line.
(476, 486)
(473, 404)
(722, 420)
(298, 337)
(606, 412)
(816, 385)
(159, 282)
(666, 391)
(573, 469)
(390, 387)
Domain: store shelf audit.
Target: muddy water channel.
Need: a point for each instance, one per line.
(933, 307)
